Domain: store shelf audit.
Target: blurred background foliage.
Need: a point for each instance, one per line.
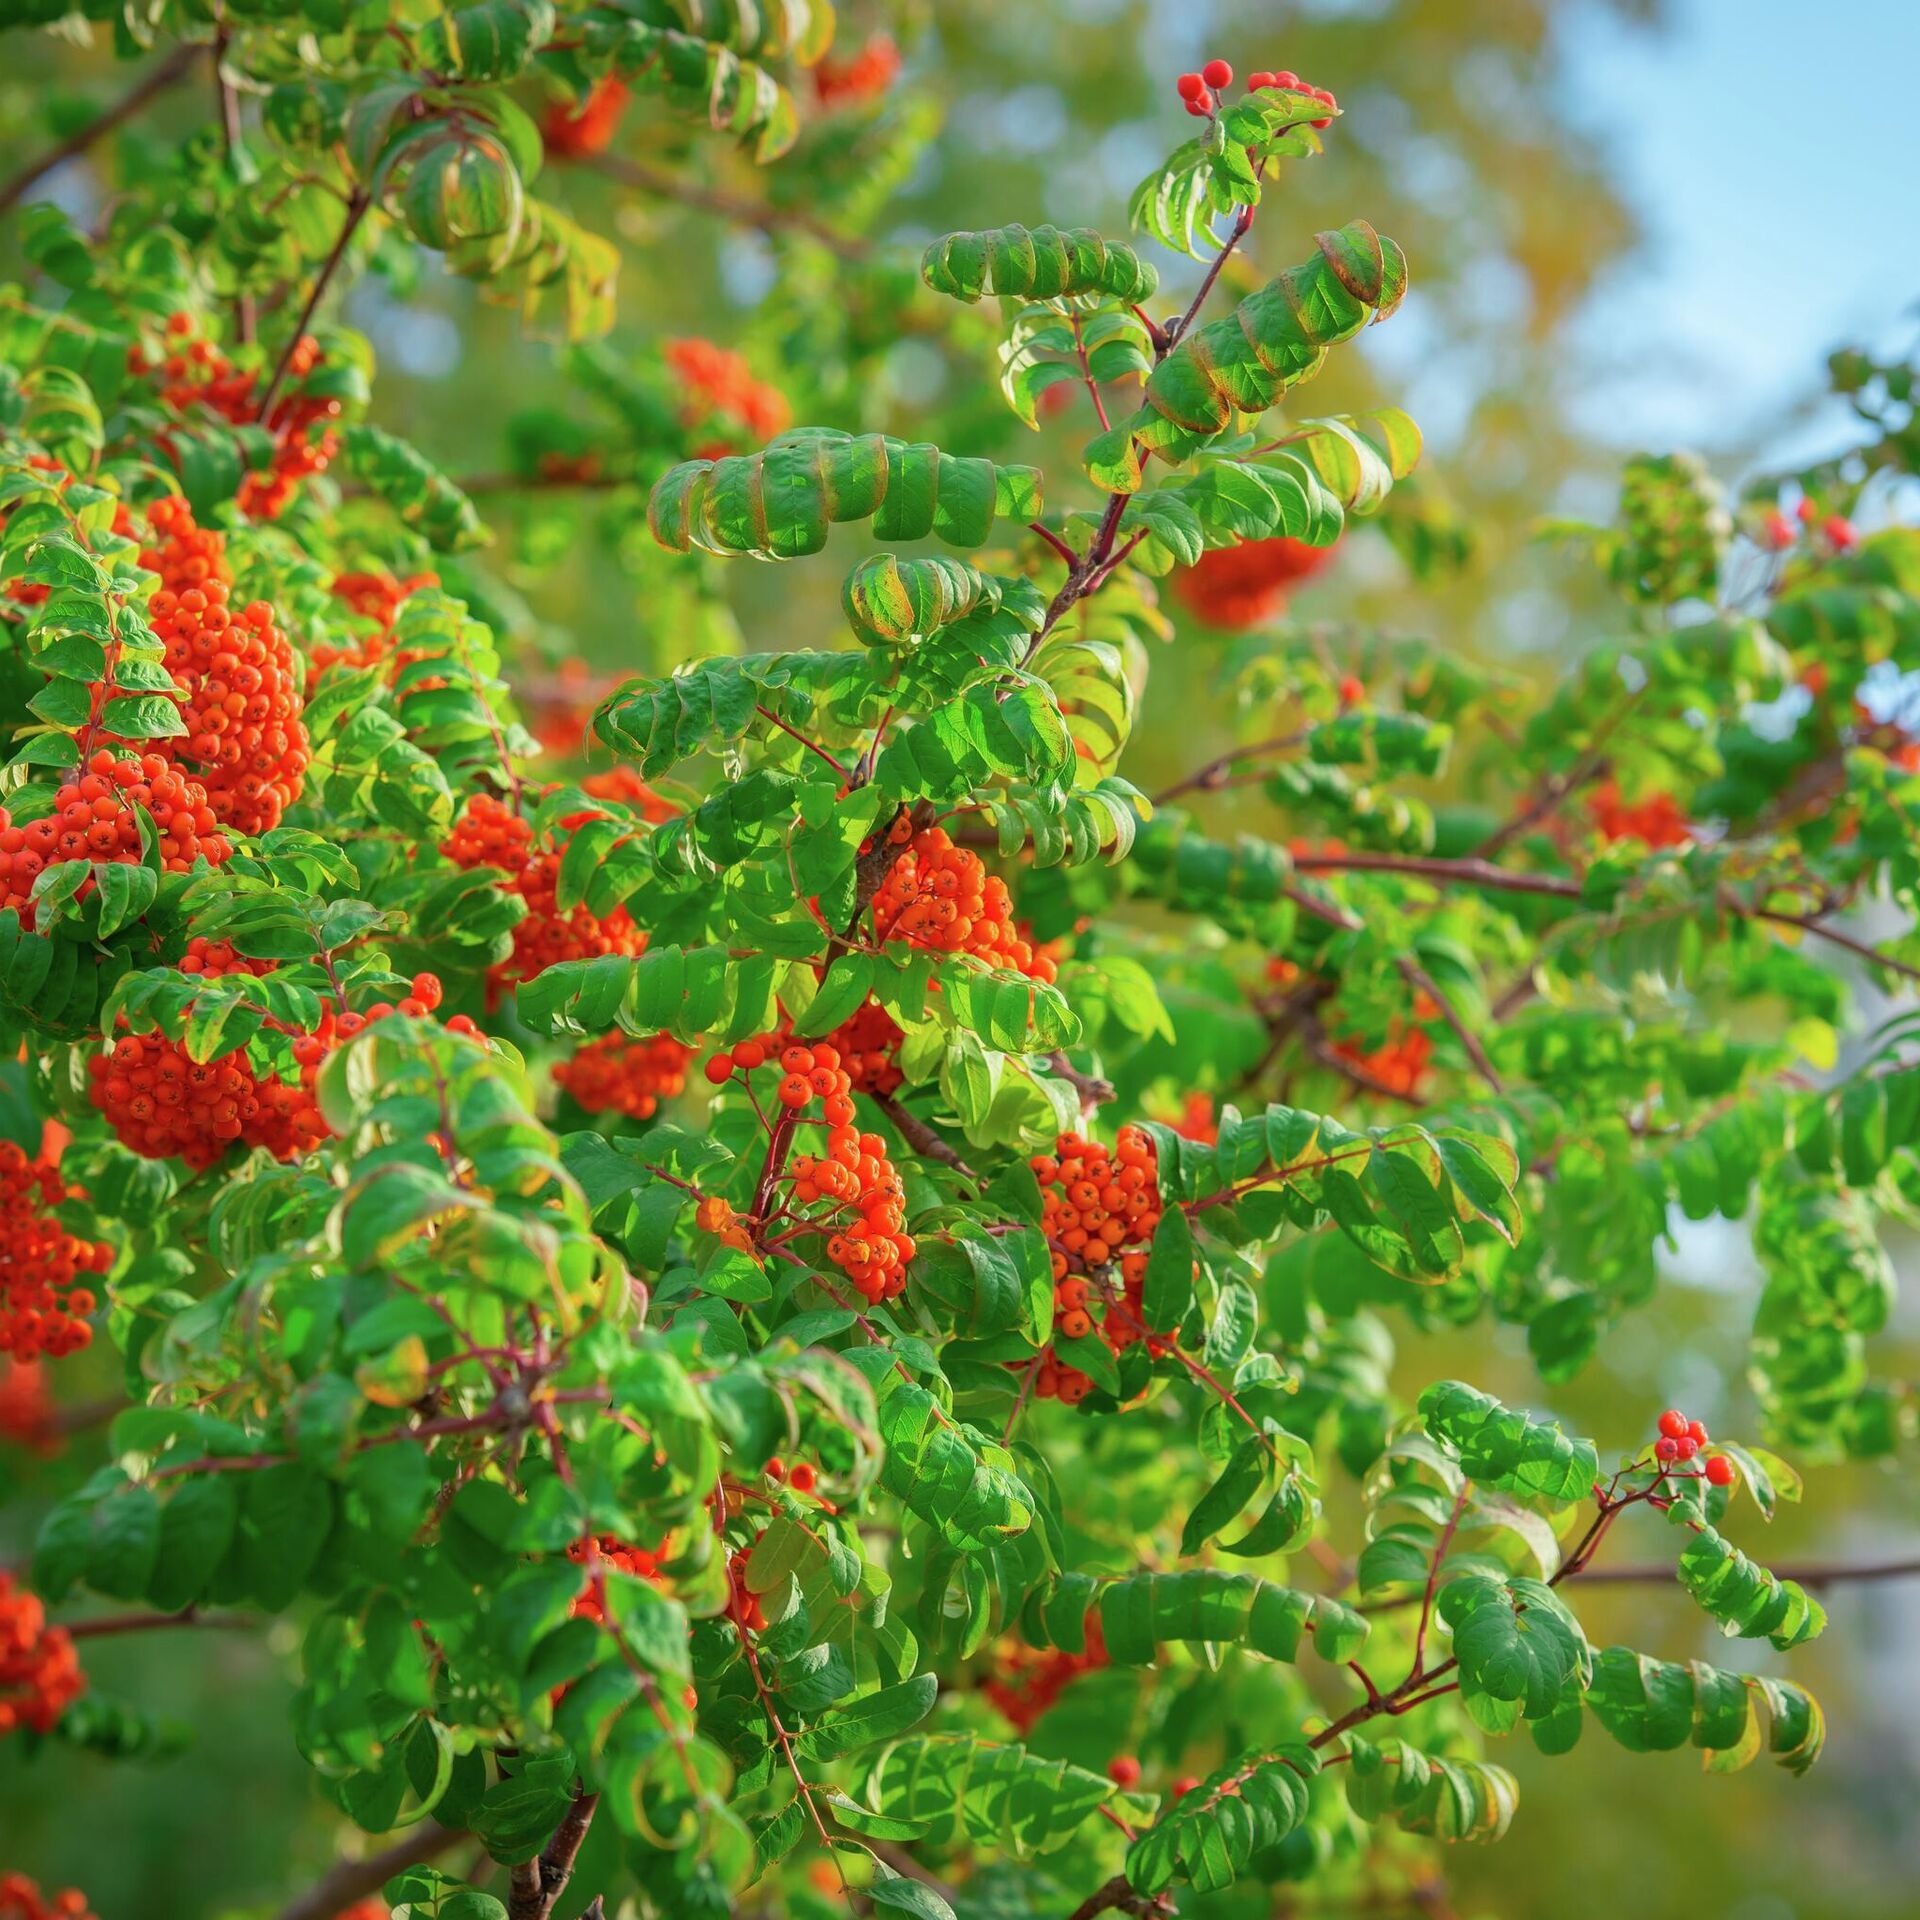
(1457, 140)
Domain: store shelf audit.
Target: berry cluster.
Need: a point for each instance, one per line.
(868, 1043)
(801, 1476)
(577, 132)
(1201, 91)
(1658, 821)
(162, 1105)
(374, 598)
(195, 374)
(619, 1075)
(1680, 1439)
(215, 959)
(40, 1675)
(21, 1899)
(871, 1246)
(1243, 586)
(368, 1909)
(940, 896)
(715, 1215)
(621, 783)
(1029, 1681)
(94, 818)
(1096, 1205)
(239, 691)
(42, 1311)
(1397, 1065)
(720, 387)
(490, 834)
(26, 1407)
(744, 1606)
(851, 83)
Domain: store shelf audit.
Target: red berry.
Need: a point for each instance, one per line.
(1200, 105)
(1839, 530)
(748, 1055)
(1687, 1448)
(1673, 1423)
(1776, 531)
(1721, 1472)
(801, 1477)
(1808, 510)
(719, 1069)
(1696, 1432)
(1184, 1785)
(1352, 691)
(1216, 73)
(1666, 1448)
(794, 1091)
(1256, 82)
(775, 1470)
(1124, 1770)
(1287, 82)
(1190, 86)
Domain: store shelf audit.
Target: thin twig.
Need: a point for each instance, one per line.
(115, 1623)
(359, 204)
(156, 81)
(738, 208)
(1417, 977)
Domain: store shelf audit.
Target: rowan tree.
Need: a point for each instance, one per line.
(790, 1283)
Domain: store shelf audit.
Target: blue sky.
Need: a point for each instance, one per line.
(1772, 152)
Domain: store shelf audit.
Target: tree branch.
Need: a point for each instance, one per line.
(116, 1623)
(156, 81)
(921, 1137)
(359, 204)
(1417, 977)
(739, 208)
(352, 1880)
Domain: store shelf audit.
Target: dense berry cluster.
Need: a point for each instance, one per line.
(163, 1105)
(866, 76)
(1099, 1206)
(744, 1607)
(865, 1219)
(375, 599)
(720, 388)
(1029, 1681)
(40, 1675)
(42, 1310)
(1398, 1065)
(94, 817)
(571, 132)
(1242, 586)
(619, 1075)
(1658, 821)
(21, 1899)
(194, 375)
(239, 686)
(868, 1043)
(941, 896)
(715, 1215)
(490, 834)
(214, 959)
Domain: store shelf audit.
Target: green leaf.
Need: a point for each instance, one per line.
(1745, 1598)
(1506, 1449)
(1212, 1834)
(779, 503)
(1041, 263)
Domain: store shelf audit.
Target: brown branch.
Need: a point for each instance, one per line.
(156, 81)
(1817, 1573)
(536, 1886)
(1213, 776)
(921, 1137)
(1472, 873)
(739, 208)
(351, 1880)
(113, 1623)
(1116, 1896)
(1094, 1091)
(1417, 977)
(359, 205)
(1811, 923)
